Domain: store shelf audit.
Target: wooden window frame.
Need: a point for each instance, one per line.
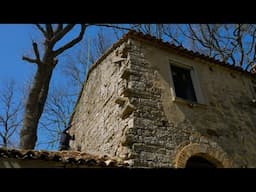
(195, 81)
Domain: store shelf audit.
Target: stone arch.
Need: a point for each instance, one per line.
(214, 155)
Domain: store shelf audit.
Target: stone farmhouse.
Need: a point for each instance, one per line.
(153, 104)
(146, 103)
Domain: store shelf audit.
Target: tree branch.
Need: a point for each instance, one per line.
(29, 59)
(36, 51)
(41, 29)
(194, 34)
(61, 33)
(59, 28)
(172, 38)
(1, 119)
(253, 40)
(14, 128)
(72, 42)
(112, 26)
(49, 30)
(1, 135)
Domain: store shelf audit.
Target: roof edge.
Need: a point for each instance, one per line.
(66, 157)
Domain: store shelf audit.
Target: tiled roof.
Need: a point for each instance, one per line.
(67, 157)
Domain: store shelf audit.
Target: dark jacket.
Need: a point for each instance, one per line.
(64, 140)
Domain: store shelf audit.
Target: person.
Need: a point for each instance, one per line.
(253, 69)
(65, 137)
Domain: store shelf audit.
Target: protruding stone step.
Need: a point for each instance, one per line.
(127, 110)
(120, 100)
(118, 59)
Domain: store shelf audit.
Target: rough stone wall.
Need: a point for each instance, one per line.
(162, 127)
(100, 119)
(152, 137)
(127, 110)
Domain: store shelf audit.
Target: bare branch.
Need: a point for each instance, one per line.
(75, 72)
(1, 119)
(59, 28)
(61, 33)
(29, 59)
(36, 51)
(194, 34)
(41, 29)
(49, 30)
(9, 119)
(1, 135)
(253, 40)
(13, 129)
(72, 42)
(113, 26)
(172, 37)
(56, 116)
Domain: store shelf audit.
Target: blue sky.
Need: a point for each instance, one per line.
(16, 41)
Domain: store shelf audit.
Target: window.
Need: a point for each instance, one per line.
(183, 84)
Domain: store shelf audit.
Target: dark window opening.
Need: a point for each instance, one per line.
(183, 83)
(199, 162)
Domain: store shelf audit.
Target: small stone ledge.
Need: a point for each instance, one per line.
(118, 59)
(127, 110)
(189, 103)
(120, 100)
(126, 72)
(126, 92)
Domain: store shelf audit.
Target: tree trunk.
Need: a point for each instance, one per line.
(39, 91)
(35, 105)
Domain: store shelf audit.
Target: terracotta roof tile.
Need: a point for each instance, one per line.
(68, 157)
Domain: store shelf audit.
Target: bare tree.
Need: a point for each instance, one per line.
(150, 29)
(91, 49)
(55, 119)
(77, 65)
(61, 99)
(102, 43)
(45, 61)
(10, 120)
(231, 43)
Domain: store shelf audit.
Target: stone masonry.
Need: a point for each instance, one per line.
(127, 109)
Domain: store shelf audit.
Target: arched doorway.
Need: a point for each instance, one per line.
(199, 162)
(201, 155)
